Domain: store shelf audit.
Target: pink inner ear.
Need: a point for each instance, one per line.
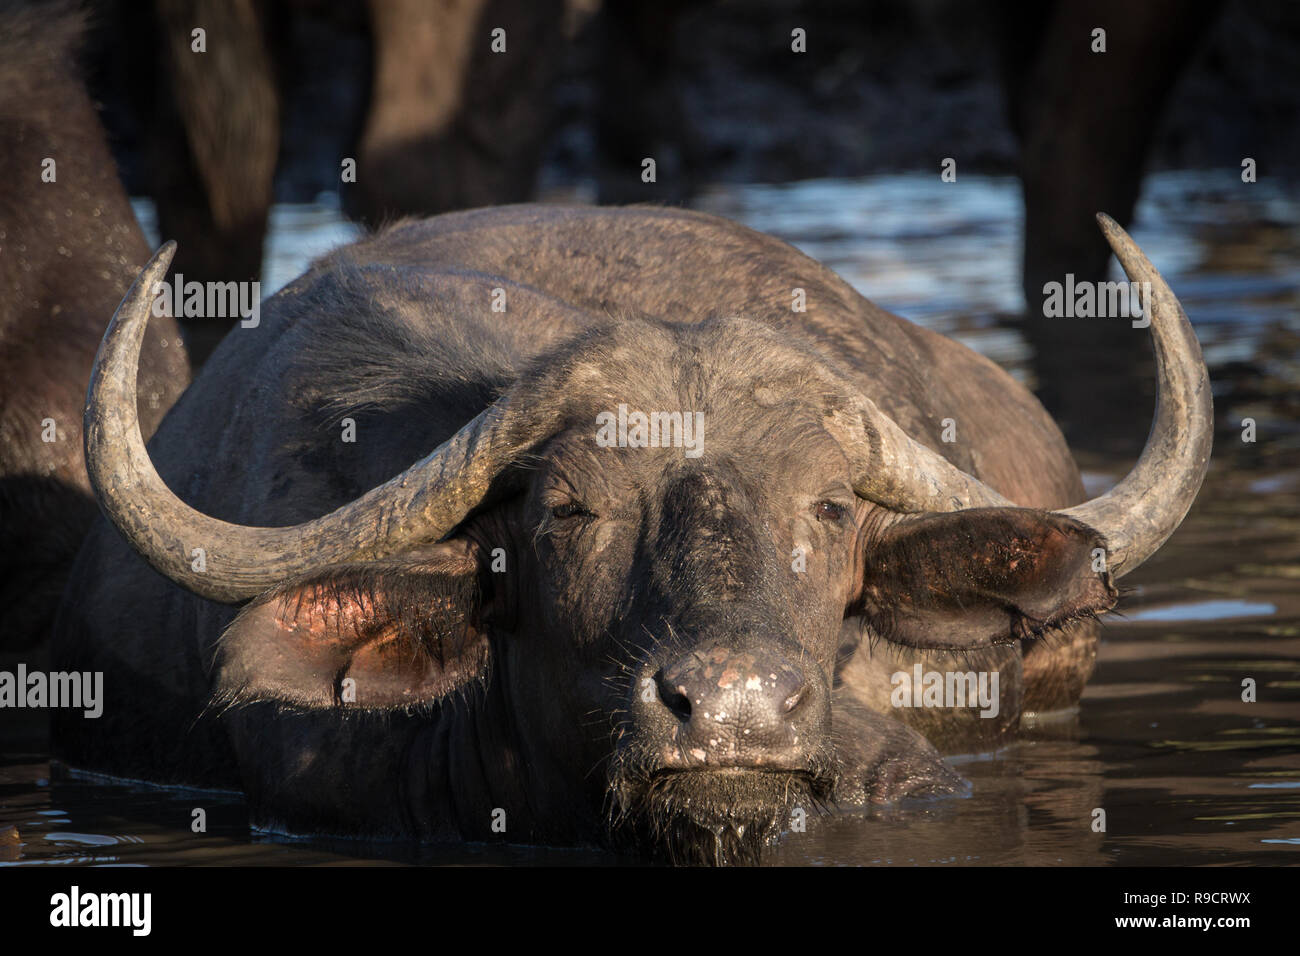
(318, 617)
(301, 645)
(389, 663)
(393, 668)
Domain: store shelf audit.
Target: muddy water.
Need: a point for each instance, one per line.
(1185, 771)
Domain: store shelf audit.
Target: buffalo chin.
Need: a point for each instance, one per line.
(713, 817)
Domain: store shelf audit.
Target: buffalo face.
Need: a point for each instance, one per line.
(697, 604)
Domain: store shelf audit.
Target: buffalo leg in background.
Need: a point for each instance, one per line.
(208, 130)
(1085, 122)
(639, 111)
(452, 124)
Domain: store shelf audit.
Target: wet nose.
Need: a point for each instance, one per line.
(737, 707)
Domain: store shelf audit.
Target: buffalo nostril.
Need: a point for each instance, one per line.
(793, 701)
(674, 698)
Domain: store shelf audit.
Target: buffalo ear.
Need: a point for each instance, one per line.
(380, 635)
(983, 576)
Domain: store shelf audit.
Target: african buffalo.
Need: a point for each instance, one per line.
(550, 622)
(69, 248)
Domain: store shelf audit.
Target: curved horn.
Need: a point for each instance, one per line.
(895, 470)
(887, 465)
(1139, 514)
(422, 504)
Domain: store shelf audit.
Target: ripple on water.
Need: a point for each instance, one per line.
(1203, 611)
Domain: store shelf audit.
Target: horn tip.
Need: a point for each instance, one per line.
(1108, 225)
(1121, 243)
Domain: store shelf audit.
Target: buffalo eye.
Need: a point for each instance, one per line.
(830, 511)
(570, 509)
